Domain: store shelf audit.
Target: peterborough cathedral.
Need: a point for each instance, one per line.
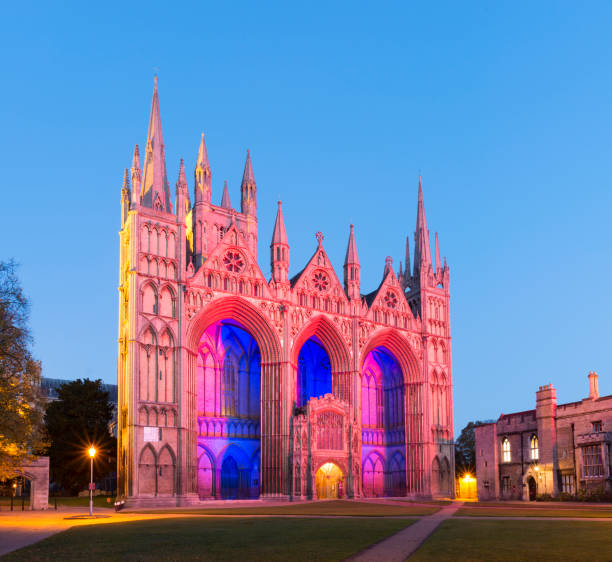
(234, 386)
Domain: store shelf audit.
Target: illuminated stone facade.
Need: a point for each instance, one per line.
(232, 385)
(553, 449)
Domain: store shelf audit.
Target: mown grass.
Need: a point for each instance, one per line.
(211, 539)
(497, 541)
(507, 511)
(6, 500)
(333, 507)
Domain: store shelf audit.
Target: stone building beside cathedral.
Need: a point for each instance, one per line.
(232, 385)
(554, 449)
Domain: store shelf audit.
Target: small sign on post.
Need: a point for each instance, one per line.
(92, 486)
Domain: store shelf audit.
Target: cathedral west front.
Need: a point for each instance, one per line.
(235, 386)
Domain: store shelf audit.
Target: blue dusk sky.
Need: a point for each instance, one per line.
(505, 108)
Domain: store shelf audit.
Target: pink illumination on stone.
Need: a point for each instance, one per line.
(234, 385)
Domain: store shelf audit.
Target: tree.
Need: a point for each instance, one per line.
(21, 403)
(465, 449)
(79, 418)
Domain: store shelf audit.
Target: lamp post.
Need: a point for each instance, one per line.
(92, 454)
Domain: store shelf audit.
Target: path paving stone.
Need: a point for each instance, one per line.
(403, 544)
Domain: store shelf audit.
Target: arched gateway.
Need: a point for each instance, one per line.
(234, 386)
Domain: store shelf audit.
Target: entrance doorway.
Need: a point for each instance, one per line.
(329, 480)
(532, 488)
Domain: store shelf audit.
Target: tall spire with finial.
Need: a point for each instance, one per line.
(352, 268)
(225, 199)
(248, 189)
(279, 249)
(155, 191)
(202, 175)
(422, 251)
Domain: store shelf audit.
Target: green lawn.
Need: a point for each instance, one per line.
(99, 501)
(6, 500)
(332, 507)
(531, 512)
(518, 540)
(210, 539)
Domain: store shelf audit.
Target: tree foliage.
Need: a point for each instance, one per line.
(21, 404)
(465, 449)
(79, 418)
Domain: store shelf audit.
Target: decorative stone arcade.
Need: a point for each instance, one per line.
(235, 386)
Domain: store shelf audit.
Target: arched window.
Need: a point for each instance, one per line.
(229, 387)
(534, 452)
(506, 450)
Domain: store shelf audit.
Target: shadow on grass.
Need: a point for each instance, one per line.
(335, 507)
(214, 539)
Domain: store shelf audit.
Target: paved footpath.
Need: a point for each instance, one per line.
(19, 529)
(403, 544)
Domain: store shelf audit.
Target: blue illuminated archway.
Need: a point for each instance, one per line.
(314, 377)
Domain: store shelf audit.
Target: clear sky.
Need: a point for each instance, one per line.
(504, 107)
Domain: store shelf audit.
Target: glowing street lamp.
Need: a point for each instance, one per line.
(92, 454)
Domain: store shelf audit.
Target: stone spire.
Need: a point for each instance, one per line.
(126, 197)
(422, 251)
(406, 277)
(438, 264)
(155, 191)
(202, 175)
(352, 269)
(182, 193)
(225, 199)
(248, 189)
(279, 249)
(136, 173)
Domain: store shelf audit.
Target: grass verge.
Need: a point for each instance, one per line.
(194, 538)
(333, 507)
(531, 512)
(499, 541)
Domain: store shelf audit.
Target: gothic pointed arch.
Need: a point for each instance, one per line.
(399, 347)
(332, 342)
(147, 465)
(166, 471)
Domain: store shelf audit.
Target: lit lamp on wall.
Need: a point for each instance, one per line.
(92, 454)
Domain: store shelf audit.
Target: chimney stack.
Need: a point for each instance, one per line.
(593, 385)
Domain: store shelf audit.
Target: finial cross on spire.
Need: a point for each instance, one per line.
(320, 237)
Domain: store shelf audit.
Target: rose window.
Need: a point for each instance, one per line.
(320, 281)
(391, 299)
(233, 261)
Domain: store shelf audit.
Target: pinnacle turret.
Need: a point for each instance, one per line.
(406, 277)
(136, 173)
(126, 197)
(248, 189)
(438, 263)
(279, 249)
(155, 191)
(352, 269)
(280, 235)
(202, 185)
(182, 193)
